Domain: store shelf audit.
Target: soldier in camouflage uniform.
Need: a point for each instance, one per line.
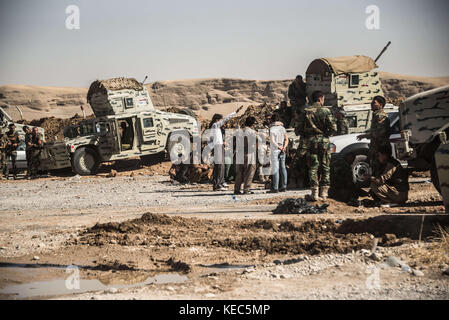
(35, 151)
(315, 126)
(379, 132)
(342, 123)
(3, 163)
(390, 185)
(28, 138)
(298, 98)
(442, 165)
(11, 150)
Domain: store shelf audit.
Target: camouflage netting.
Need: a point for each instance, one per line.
(102, 86)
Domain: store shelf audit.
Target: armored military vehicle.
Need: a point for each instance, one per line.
(349, 83)
(424, 125)
(126, 125)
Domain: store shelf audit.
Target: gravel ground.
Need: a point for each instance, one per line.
(54, 210)
(119, 192)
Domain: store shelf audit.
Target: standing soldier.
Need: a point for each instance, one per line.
(28, 142)
(36, 147)
(11, 150)
(379, 133)
(342, 124)
(316, 125)
(3, 162)
(297, 95)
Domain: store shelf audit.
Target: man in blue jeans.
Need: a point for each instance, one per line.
(278, 147)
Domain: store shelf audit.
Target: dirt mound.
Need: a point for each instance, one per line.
(311, 237)
(137, 225)
(260, 112)
(54, 127)
(290, 236)
(153, 218)
(298, 243)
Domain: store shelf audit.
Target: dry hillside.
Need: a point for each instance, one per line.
(204, 96)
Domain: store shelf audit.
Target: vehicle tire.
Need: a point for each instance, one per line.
(360, 167)
(179, 147)
(85, 161)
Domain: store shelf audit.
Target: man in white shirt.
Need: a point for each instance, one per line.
(278, 147)
(215, 143)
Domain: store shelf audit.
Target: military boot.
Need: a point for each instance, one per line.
(314, 196)
(324, 192)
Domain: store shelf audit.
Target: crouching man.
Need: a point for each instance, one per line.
(390, 186)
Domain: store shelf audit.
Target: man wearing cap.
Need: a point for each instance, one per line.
(35, 151)
(297, 95)
(342, 124)
(28, 138)
(3, 162)
(11, 150)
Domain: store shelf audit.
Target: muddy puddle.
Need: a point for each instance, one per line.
(73, 284)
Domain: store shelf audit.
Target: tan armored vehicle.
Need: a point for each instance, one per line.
(349, 83)
(424, 125)
(126, 125)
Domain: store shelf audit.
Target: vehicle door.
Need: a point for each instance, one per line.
(150, 132)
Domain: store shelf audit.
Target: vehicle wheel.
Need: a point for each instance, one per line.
(178, 145)
(361, 167)
(85, 161)
(434, 175)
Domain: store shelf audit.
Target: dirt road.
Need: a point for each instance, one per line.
(143, 237)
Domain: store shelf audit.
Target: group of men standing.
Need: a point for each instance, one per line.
(315, 124)
(9, 143)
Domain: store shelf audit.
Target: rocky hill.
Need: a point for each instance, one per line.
(204, 96)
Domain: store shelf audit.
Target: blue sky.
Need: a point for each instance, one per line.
(201, 39)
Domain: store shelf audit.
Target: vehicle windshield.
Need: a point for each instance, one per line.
(392, 115)
(86, 129)
(394, 122)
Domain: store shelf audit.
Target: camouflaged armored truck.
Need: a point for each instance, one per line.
(126, 125)
(349, 83)
(424, 125)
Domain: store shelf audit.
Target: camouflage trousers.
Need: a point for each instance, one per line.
(34, 161)
(388, 194)
(3, 162)
(13, 156)
(28, 157)
(299, 166)
(318, 161)
(442, 164)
